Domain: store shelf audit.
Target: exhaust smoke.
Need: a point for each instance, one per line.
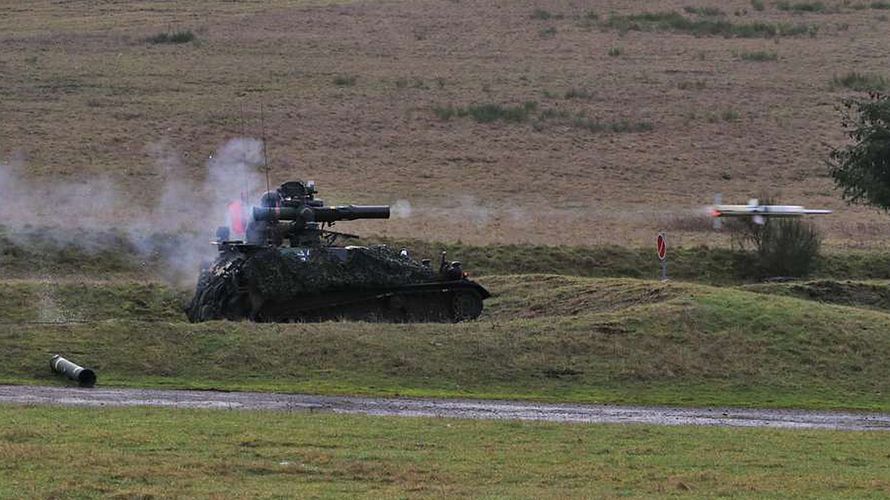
(96, 216)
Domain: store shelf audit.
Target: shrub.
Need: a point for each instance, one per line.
(623, 126)
(786, 247)
(861, 168)
(801, 6)
(175, 37)
(487, 113)
(541, 14)
(860, 82)
(758, 5)
(730, 115)
(576, 93)
(627, 126)
(344, 80)
(759, 56)
(414, 83)
(789, 248)
(554, 114)
(674, 21)
(705, 11)
(691, 85)
(615, 51)
(445, 112)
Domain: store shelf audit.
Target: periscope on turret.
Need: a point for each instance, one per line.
(290, 267)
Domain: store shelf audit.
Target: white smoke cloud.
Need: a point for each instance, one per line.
(401, 209)
(232, 174)
(30, 203)
(463, 207)
(80, 214)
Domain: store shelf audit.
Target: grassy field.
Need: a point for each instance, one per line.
(542, 337)
(83, 453)
(542, 143)
(589, 123)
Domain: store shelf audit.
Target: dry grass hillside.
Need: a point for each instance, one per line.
(520, 121)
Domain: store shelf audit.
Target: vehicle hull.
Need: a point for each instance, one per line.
(361, 284)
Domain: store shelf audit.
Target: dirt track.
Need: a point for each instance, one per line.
(449, 408)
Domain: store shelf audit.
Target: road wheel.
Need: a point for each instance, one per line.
(466, 305)
(398, 308)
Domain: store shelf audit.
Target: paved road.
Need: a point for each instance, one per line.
(451, 408)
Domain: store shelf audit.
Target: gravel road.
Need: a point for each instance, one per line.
(450, 408)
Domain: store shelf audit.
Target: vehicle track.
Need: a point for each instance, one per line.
(448, 408)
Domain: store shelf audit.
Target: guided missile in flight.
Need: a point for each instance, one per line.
(759, 212)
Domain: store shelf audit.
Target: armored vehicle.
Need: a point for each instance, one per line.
(289, 267)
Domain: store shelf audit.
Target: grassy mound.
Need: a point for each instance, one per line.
(544, 337)
(72, 302)
(873, 295)
(539, 295)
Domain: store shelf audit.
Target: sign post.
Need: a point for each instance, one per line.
(661, 245)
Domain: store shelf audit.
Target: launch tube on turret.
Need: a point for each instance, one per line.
(321, 214)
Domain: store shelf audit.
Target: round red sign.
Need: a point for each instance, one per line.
(662, 246)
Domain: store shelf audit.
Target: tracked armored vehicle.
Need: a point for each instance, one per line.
(289, 267)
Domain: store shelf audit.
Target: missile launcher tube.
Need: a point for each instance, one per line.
(83, 376)
(321, 214)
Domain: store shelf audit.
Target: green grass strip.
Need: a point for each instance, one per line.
(141, 453)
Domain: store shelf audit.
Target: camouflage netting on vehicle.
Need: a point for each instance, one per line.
(215, 290)
(282, 273)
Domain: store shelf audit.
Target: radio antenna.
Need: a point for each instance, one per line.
(263, 131)
(246, 192)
